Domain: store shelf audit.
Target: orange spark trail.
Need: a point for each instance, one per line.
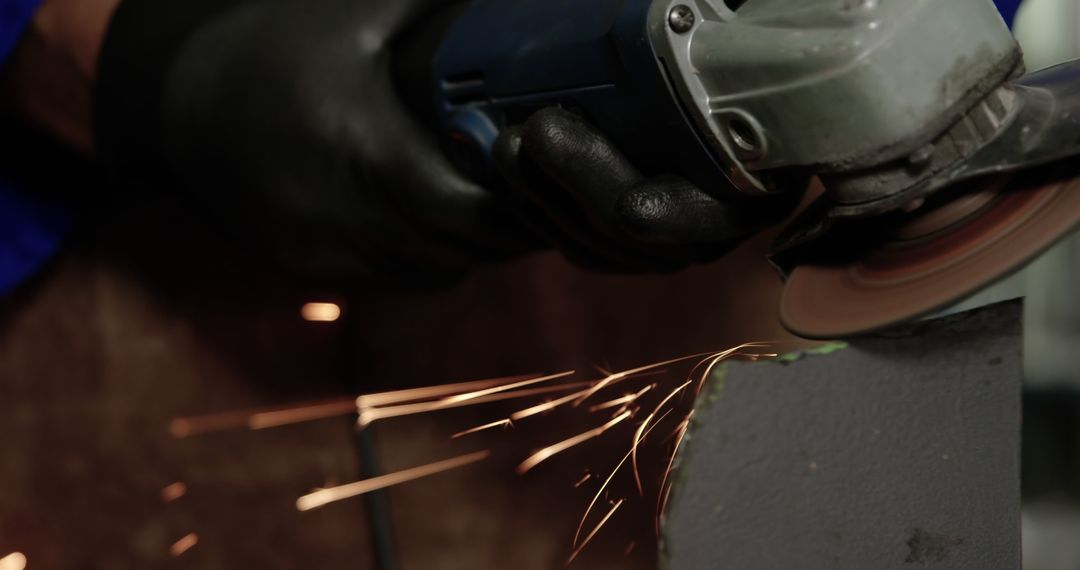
(600, 491)
(665, 490)
(324, 497)
(370, 415)
(595, 530)
(548, 406)
(583, 480)
(495, 424)
(627, 399)
(173, 492)
(545, 407)
(562, 446)
(506, 387)
(641, 430)
(282, 415)
(431, 392)
(620, 376)
(184, 544)
(300, 414)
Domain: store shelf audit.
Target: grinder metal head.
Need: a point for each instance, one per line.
(855, 268)
(924, 260)
(909, 111)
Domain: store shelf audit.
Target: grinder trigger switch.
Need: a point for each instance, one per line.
(471, 137)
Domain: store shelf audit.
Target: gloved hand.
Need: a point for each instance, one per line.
(281, 118)
(580, 192)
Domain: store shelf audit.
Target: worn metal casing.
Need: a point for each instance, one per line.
(834, 85)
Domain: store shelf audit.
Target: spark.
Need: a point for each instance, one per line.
(492, 425)
(620, 376)
(184, 544)
(13, 561)
(173, 492)
(323, 497)
(603, 521)
(262, 418)
(300, 414)
(630, 548)
(582, 481)
(661, 502)
(641, 430)
(600, 491)
(371, 415)
(623, 401)
(716, 358)
(506, 388)
(548, 406)
(551, 450)
(432, 392)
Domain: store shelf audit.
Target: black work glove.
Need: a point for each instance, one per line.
(580, 192)
(280, 117)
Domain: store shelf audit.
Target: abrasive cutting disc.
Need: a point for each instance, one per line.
(933, 259)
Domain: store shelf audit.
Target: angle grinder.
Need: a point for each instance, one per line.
(945, 167)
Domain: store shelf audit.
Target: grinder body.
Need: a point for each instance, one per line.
(494, 62)
(738, 96)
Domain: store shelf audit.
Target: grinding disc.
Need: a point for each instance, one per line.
(933, 260)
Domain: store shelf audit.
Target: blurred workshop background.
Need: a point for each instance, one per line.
(148, 315)
(1047, 30)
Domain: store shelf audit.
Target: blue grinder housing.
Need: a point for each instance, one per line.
(501, 60)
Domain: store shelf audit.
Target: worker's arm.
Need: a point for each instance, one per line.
(281, 119)
(47, 52)
(48, 80)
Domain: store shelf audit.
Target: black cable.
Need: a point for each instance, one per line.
(377, 503)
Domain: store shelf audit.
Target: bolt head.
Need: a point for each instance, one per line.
(681, 19)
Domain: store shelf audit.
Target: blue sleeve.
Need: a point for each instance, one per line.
(14, 16)
(31, 228)
(1008, 9)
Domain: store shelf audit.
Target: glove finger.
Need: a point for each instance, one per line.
(550, 210)
(583, 161)
(670, 211)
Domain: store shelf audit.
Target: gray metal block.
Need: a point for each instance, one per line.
(898, 452)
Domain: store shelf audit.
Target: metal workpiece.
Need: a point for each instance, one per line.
(900, 450)
(830, 85)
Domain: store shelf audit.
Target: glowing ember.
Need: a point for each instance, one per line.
(323, 497)
(184, 544)
(13, 561)
(320, 312)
